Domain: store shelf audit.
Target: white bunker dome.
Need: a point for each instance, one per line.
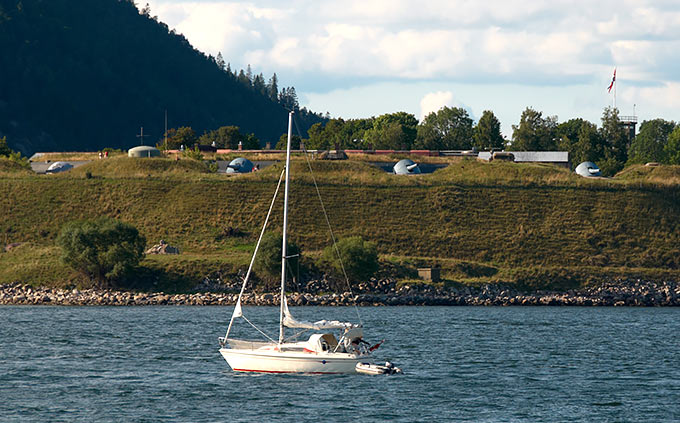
(57, 167)
(144, 151)
(406, 167)
(588, 169)
(240, 165)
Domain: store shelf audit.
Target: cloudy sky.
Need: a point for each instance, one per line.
(362, 58)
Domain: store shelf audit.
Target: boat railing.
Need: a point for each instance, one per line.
(238, 344)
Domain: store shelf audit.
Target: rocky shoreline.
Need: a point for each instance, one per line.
(632, 292)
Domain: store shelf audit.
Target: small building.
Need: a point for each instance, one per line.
(144, 151)
(430, 273)
(559, 158)
(332, 155)
(206, 148)
(406, 167)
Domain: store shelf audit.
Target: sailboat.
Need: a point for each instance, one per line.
(321, 353)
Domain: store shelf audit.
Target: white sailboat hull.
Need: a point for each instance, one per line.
(274, 361)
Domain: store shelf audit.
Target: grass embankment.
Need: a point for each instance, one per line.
(10, 168)
(533, 225)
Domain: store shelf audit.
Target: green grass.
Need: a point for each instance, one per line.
(125, 167)
(10, 168)
(519, 223)
(41, 266)
(664, 175)
(38, 265)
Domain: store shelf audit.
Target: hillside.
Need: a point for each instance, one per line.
(526, 224)
(81, 77)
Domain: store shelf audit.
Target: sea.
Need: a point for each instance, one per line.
(477, 364)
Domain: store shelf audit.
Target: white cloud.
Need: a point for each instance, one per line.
(432, 102)
(321, 47)
(666, 95)
(501, 40)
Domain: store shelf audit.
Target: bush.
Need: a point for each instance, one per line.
(268, 260)
(359, 257)
(14, 156)
(106, 250)
(194, 154)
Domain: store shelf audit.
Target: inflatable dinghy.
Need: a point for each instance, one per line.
(376, 369)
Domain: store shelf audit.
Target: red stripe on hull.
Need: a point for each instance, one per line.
(281, 371)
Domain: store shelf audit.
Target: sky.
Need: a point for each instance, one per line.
(363, 58)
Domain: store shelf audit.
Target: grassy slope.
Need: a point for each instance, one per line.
(11, 168)
(532, 224)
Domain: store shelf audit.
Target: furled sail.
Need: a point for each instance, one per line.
(291, 322)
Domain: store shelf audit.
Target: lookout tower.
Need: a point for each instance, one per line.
(629, 123)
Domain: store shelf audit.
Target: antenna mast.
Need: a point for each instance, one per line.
(166, 130)
(141, 136)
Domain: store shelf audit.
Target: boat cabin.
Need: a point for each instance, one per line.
(318, 342)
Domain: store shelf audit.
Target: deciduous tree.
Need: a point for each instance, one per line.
(534, 132)
(672, 148)
(182, 136)
(268, 260)
(104, 249)
(649, 144)
(395, 131)
(487, 132)
(581, 139)
(358, 257)
(283, 142)
(450, 128)
(615, 142)
(224, 137)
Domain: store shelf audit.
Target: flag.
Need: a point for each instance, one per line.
(376, 346)
(612, 84)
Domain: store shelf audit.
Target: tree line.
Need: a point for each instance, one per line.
(611, 146)
(86, 78)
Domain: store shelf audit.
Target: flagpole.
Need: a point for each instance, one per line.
(613, 85)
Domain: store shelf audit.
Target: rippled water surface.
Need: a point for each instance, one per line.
(462, 364)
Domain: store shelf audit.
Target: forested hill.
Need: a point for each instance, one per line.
(86, 75)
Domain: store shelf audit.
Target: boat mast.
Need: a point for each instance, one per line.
(285, 227)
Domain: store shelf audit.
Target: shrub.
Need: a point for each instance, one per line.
(194, 154)
(359, 257)
(4, 148)
(106, 250)
(14, 156)
(268, 260)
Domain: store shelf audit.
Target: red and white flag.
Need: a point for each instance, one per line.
(612, 84)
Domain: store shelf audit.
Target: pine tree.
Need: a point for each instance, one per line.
(4, 148)
(259, 85)
(249, 74)
(291, 99)
(273, 88)
(243, 79)
(220, 61)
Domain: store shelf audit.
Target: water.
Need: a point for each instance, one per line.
(150, 364)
